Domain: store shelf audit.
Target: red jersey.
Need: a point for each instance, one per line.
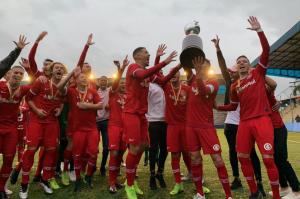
(116, 105)
(45, 96)
(82, 120)
(275, 115)
(23, 115)
(9, 105)
(201, 103)
(176, 104)
(251, 93)
(136, 92)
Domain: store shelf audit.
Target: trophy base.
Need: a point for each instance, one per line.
(188, 55)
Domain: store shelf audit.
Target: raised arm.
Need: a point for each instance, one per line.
(61, 85)
(271, 83)
(85, 50)
(160, 52)
(142, 74)
(116, 81)
(8, 61)
(162, 80)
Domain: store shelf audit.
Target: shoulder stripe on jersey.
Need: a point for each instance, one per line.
(262, 65)
(33, 93)
(212, 88)
(154, 79)
(136, 70)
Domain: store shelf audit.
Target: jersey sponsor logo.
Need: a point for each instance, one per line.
(250, 83)
(268, 146)
(216, 147)
(195, 90)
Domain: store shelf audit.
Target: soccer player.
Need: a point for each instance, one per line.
(200, 131)
(232, 120)
(10, 98)
(134, 121)
(44, 100)
(85, 102)
(255, 124)
(117, 145)
(7, 62)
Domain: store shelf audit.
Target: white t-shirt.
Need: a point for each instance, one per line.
(103, 114)
(233, 117)
(156, 103)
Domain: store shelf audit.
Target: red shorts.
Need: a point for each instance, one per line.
(207, 139)
(86, 143)
(135, 129)
(259, 130)
(42, 134)
(8, 141)
(116, 139)
(176, 138)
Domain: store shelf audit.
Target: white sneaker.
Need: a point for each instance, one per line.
(198, 196)
(282, 193)
(291, 195)
(46, 186)
(72, 176)
(7, 191)
(23, 193)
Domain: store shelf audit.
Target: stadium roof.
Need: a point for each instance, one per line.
(284, 60)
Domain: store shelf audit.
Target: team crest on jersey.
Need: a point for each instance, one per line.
(121, 102)
(195, 90)
(89, 97)
(268, 146)
(216, 147)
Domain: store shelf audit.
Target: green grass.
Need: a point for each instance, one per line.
(211, 180)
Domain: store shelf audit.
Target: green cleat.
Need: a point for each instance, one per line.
(178, 188)
(137, 189)
(65, 180)
(53, 184)
(130, 192)
(205, 190)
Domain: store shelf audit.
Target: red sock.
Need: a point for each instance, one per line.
(49, 164)
(77, 165)
(273, 176)
(39, 167)
(223, 176)
(84, 160)
(67, 159)
(113, 169)
(28, 159)
(131, 161)
(5, 170)
(187, 161)
(176, 168)
(248, 172)
(91, 165)
(197, 177)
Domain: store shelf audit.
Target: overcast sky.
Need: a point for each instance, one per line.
(119, 26)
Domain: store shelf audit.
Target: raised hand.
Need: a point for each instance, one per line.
(171, 57)
(41, 113)
(41, 36)
(90, 40)
(161, 50)
(22, 42)
(76, 71)
(125, 63)
(254, 23)
(197, 63)
(216, 42)
(24, 63)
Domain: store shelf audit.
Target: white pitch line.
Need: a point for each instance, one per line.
(294, 141)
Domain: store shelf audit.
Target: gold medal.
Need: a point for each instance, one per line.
(176, 96)
(82, 95)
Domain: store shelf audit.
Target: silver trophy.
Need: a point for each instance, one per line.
(192, 45)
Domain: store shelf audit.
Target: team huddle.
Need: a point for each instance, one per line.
(147, 110)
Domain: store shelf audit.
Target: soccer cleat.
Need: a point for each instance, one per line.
(283, 191)
(112, 189)
(89, 180)
(205, 190)
(256, 195)
(14, 176)
(23, 193)
(53, 184)
(292, 195)
(65, 180)
(161, 180)
(236, 184)
(130, 192)
(3, 195)
(198, 196)
(36, 179)
(260, 188)
(77, 186)
(152, 183)
(137, 189)
(46, 186)
(178, 188)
